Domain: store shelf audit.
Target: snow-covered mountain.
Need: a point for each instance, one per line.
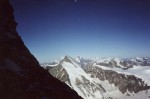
(72, 74)
(103, 78)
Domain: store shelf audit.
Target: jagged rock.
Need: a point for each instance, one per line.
(21, 76)
(123, 82)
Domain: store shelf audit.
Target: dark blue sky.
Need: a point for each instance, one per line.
(88, 28)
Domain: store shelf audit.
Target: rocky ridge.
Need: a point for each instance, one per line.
(107, 80)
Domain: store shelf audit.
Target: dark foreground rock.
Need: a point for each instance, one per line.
(21, 76)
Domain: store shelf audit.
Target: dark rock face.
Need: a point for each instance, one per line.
(123, 82)
(21, 76)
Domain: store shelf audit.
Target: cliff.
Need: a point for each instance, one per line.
(21, 76)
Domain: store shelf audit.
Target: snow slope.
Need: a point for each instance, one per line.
(77, 76)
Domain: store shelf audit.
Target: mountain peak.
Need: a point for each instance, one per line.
(67, 58)
(70, 60)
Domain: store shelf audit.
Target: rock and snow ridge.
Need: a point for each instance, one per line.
(77, 79)
(92, 80)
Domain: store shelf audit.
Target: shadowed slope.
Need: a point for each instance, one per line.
(21, 76)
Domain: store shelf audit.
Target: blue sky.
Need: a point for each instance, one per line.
(88, 28)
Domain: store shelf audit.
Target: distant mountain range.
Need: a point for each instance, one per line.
(104, 78)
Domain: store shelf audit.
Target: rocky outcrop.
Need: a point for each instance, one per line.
(123, 82)
(21, 76)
